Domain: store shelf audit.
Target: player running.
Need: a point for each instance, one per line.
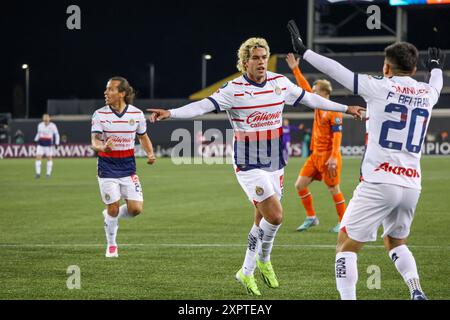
(254, 103)
(114, 129)
(400, 110)
(47, 137)
(325, 162)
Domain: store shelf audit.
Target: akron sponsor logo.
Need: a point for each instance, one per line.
(399, 171)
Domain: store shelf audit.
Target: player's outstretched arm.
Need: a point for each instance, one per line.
(190, 110)
(317, 102)
(325, 65)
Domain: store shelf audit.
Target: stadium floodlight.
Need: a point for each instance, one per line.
(152, 80)
(27, 88)
(205, 58)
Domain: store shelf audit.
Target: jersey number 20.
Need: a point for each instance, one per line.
(400, 125)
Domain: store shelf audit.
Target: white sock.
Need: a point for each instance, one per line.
(38, 166)
(123, 212)
(253, 245)
(406, 265)
(346, 271)
(268, 236)
(111, 226)
(49, 167)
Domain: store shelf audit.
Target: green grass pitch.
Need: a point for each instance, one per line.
(191, 238)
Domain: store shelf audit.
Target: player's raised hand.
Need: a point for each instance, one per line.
(297, 42)
(435, 59)
(158, 114)
(356, 111)
(291, 61)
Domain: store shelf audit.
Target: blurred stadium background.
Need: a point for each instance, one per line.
(39, 221)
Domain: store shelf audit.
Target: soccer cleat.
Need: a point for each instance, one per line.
(38, 176)
(112, 252)
(336, 228)
(418, 295)
(47, 176)
(308, 223)
(267, 273)
(248, 282)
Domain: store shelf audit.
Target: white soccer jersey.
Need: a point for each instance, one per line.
(400, 110)
(122, 128)
(47, 135)
(255, 113)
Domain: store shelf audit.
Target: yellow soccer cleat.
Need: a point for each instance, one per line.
(267, 273)
(248, 282)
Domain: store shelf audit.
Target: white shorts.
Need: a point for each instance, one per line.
(112, 189)
(44, 151)
(374, 204)
(260, 185)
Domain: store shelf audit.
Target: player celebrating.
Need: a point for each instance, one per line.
(254, 103)
(46, 137)
(325, 161)
(114, 129)
(400, 109)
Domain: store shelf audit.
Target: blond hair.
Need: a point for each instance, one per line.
(245, 49)
(324, 85)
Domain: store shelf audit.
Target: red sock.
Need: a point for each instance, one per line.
(307, 201)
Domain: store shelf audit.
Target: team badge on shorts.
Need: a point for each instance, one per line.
(259, 191)
(337, 120)
(107, 197)
(131, 122)
(278, 90)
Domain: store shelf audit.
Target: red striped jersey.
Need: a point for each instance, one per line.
(122, 128)
(255, 113)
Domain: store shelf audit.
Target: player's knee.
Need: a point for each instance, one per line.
(334, 189)
(276, 217)
(299, 185)
(113, 210)
(135, 210)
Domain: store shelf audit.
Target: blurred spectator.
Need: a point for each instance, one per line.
(19, 137)
(443, 136)
(4, 133)
(63, 139)
(305, 134)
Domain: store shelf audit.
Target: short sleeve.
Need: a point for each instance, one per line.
(223, 98)
(293, 94)
(142, 125)
(96, 126)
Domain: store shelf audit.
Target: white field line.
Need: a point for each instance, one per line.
(193, 245)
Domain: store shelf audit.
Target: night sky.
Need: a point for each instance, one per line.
(122, 37)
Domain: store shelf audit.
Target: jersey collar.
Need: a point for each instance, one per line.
(120, 115)
(260, 85)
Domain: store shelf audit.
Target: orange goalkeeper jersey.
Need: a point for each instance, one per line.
(327, 127)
